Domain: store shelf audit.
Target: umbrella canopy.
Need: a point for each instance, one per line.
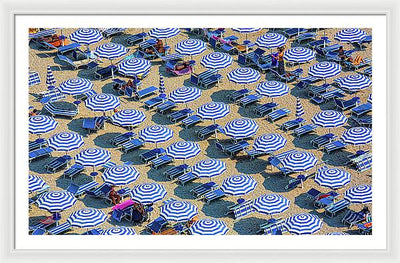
(329, 119)
(208, 227)
(183, 150)
(34, 78)
(324, 70)
(178, 211)
(269, 142)
(354, 83)
(303, 224)
(361, 194)
(86, 36)
(244, 75)
(357, 136)
(299, 55)
(102, 102)
(271, 204)
(120, 231)
(209, 168)
(185, 94)
(246, 30)
(332, 177)
(134, 67)
(299, 108)
(128, 117)
(93, 157)
(299, 161)
(50, 80)
(110, 51)
(35, 183)
(241, 128)
(75, 86)
(88, 217)
(213, 110)
(148, 193)
(163, 33)
(162, 85)
(65, 141)
(369, 98)
(120, 175)
(272, 89)
(156, 134)
(216, 60)
(190, 47)
(41, 124)
(56, 201)
(271, 40)
(350, 35)
(238, 184)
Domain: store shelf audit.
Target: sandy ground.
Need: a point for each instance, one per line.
(269, 181)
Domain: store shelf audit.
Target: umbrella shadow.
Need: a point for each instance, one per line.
(38, 166)
(247, 112)
(214, 153)
(188, 135)
(157, 174)
(337, 158)
(119, 39)
(303, 201)
(87, 74)
(217, 208)
(304, 141)
(133, 156)
(160, 119)
(103, 140)
(251, 166)
(98, 203)
(221, 96)
(334, 221)
(248, 226)
(108, 88)
(183, 191)
(76, 126)
(275, 181)
(299, 93)
(330, 105)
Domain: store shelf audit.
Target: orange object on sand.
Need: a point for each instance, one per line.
(357, 60)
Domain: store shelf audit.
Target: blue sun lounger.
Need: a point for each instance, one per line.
(57, 111)
(104, 73)
(263, 109)
(236, 95)
(197, 79)
(100, 192)
(361, 109)
(346, 104)
(363, 163)
(122, 138)
(318, 43)
(288, 76)
(166, 106)
(201, 190)
(186, 178)
(60, 229)
(241, 210)
(209, 130)
(306, 129)
(37, 144)
(213, 195)
(160, 161)
(334, 208)
(334, 146)
(156, 225)
(180, 115)
(191, 121)
(316, 90)
(39, 231)
(291, 32)
(276, 162)
(79, 190)
(271, 225)
(73, 170)
(76, 64)
(367, 71)
(236, 148)
(364, 121)
(137, 38)
(131, 145)
(322, 140)
(306, 37)
(58, 163)
(39, 153)
(151, 154)
(365, 62)
(145, 92)
(176, 171)
(153, 102)
(249, 99)
(292, 124)
(109, 32)
(352, 218)
(277, 114)
(325, 201)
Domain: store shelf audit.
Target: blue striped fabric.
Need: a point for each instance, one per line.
(332, 177)
(164, 32)
(41, 124)
(183, 150)
(148, 193)
(134, 67)
(209, 168)
(350, 35)
(216, 60)
(357, 136)
(299, 55)
(299, 108)
(337, 234)
(86, 36)
(178, 211)
(190, 47)
(65, 141)
(241, 128)
(93, 157)
(354, 83)
(185, 94)
(244, 75)
(324, 70)
(119, 231)
(102, 102)
(238, 184)
(161, 88)
(88, 217)
(75, 86)
(35, 183)
(120, 175)
(110, 51)
(303, 224)
(213, 110)
(271, 204)
(34, 78)
(156, 134)
(43, 33)
(361, 194)
(269, 142)
(271, 40)
(209, 227)
(246, 30)
(329, 119)
(50, 80)
(56, 201)
(369, 98)
(128, 117)
(272, 89)
(299, 161)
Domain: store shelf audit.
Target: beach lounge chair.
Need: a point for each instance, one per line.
(236, 148)
(274, 161)
(313, 194)
(122, 138)
(93, 232)
(201, 190)
(99, 192)
(363, 163)
(346, 104)
(166, 106)
(236, 95)
(305, 82)
(293, 183)
(39, 231)
(211, 80)
(292, 124)
(160, 161)
(93, 124)
(288, 76)
(37, 144)
(77, 64)
(79, 190)
(67, 48)
(352, 218)
(291, 32)
(322, 140)
(60, 229)
(151, 154)
(157, 225)
(213, 195)
(44, 223)
(242, 210)
(367, 71)
(191, 121)
(361, 110)
(109, 32)
(253, 153)
(131, 145)
(180, 115)
(277, 114)
(58, 163)
(39, 153)
(328, 95)
(52, 96)
(86, 95)
(306, 37)
(197, 79)
(145, 92)
(176, 171)
(153, 102)
(186, 178)
(334, 146)
(273, 227)
(105, 73)
(365, 121)
(249, 99)
(365, 62)
(73, 170)
(137, 38)
(306, 129)
(334, 208)
(263, 109)
(57, 111)
(316, 90)
(208, 130)
(324, 200)
(331, 48)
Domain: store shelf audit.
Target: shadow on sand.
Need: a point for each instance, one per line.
(217, 208)
(248, 226)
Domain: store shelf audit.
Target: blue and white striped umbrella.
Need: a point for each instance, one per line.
(369, 98)
(156, 134)
(119, 231)
(299, 108)
(163, 33)
(65, 141)
(41, 124)
(269, 142)
(246, 30)
(241, 128)
(93, 157)
(190, 47)
(271, 40)
(35, 183)
(75, 86)
(244, 75)
(209, 168)
(128, 118)
(299, 55)
(56, 201)
(134, 67)
(299, 161)
(50, 80)
(161, 88)
(178, 211)
(332, 177)
(183, 150)
(360, 194)
(337, 234)
(324, 70)
(185, 94)
(303, 224)
(87, 217)
(213, 110)
(216, 60)
(120, 175)
(329, 118)
(355, 83)
(148, 193)
(240, 184)
(110, 51)
(350, 35)
(86, 36)
(271, 204)
(34, 78)
(209, 226)
(357, 136)
(43, 33)
(272, 89)
(102, 102)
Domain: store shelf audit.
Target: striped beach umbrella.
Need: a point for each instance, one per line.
(65, 141)
(110, 50)
(269, 142)
(329, 119)
(34, 78)
(183, 150)
(50, 80)
(271, 204)
(332, 177)
(178, 211)
(120, 175)
(163, 33)
(190, 47)
(271, 40)
(87, 217)
(185, 94)
(161, 88)
(324, 70)
(41, 124)
(55, 202)
(119, 231)
(244, 75)
(128, 118)
(303, 224)
(35, 183)
(357, 136)
(272, 89)
(246, 31)
(209, 168)
(213, 110)
(102, 102)
(350, 35)
(156, 134)
(354, 83)
(299, 55)
(208, 226)
(216, 60)
(241, 128)
(299, 161)
(240, 184)
(93, 157)
(86, 36)
(361, 194)
(299, 108)
(148, 193)
(134, 67)
(75, 86)
(369, 98)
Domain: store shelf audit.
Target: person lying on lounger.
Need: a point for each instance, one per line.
(114, 196)
(159, 46)
(182, 65)
(356, 61)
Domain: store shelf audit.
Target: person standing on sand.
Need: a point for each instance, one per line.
(279, 58)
